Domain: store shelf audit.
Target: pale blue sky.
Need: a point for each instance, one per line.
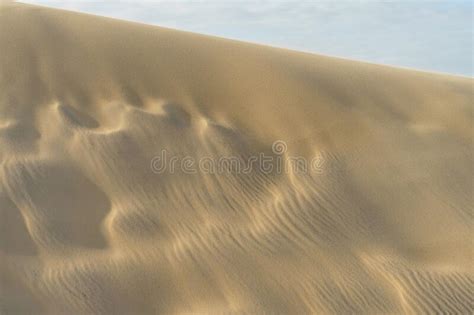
(428, 35)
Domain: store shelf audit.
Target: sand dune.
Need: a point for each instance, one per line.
(88, 225)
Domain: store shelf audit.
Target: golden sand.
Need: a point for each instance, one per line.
(383, 226)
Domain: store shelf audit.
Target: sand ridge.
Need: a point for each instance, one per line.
(88, 227)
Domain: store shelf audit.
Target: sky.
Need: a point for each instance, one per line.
(433, 36)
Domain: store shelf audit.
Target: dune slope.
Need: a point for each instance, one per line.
(90, 224)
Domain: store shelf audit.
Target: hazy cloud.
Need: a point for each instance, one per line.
(428, 35)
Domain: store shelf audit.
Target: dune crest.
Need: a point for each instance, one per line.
(92, 221)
